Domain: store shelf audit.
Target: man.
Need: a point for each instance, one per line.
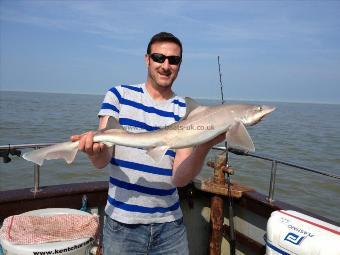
(143, 213)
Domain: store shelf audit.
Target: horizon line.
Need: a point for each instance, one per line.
(199, 98)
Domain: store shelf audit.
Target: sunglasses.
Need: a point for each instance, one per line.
(160, 58)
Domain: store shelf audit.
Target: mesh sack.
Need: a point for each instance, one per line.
(29, 229)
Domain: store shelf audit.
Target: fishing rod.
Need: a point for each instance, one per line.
(232, 241)
(6, 152)
(220, 74)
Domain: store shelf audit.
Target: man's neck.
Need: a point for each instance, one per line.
(159, 93)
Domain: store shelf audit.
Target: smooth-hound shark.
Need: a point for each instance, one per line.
(201, 124)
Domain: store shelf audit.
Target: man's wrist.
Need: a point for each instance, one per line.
(202, 149)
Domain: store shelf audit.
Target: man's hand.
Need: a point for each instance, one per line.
(98, 153)
(189, 161)
(87, 145)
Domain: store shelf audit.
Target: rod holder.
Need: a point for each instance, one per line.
(270, 197)
(36, 177)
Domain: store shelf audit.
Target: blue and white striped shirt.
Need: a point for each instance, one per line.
(140, 190)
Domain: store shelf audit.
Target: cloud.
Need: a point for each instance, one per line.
(268, 40)
(208, 21)
(83, 16)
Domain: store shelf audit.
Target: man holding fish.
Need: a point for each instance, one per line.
(143, 213)
(154, 142)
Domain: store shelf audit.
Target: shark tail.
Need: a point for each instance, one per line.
(66, 151)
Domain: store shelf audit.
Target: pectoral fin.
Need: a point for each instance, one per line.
(239, 138)
(157, 153)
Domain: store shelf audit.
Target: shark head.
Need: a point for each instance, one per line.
(252, 114)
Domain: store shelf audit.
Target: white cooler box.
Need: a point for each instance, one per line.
(72, 247)
(290, 232)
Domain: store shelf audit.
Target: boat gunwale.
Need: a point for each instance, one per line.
(70, 195)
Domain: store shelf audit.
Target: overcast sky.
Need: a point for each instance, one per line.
(269, 50)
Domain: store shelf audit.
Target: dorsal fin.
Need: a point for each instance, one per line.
(196, 111)
(112, 123)
(191, 105)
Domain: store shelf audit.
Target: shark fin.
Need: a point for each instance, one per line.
(66, 151)
(157, 153)
(191, 105)
(239, 138)
(112, 123)
(197, 111)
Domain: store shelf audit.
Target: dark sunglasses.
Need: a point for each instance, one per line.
(160, 58)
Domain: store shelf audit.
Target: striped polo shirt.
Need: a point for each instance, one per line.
(140, 190)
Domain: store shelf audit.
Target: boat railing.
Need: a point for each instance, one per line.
(14, 150)
(275, 162)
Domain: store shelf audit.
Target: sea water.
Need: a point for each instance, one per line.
(304, 133)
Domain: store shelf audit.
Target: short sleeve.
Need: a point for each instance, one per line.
(111, 103)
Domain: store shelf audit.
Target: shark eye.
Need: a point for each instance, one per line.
(259, 108)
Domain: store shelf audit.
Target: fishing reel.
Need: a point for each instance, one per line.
(4, 154)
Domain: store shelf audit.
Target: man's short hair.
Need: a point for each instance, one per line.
(164, 37)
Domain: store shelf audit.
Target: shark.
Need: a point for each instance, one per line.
(199, 125)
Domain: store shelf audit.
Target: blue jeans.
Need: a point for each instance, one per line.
(156, 239)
